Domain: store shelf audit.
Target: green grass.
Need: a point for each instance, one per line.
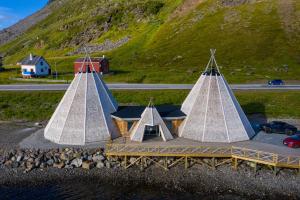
(39, 106)
(252, 41)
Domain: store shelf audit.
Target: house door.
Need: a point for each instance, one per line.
(88, 68)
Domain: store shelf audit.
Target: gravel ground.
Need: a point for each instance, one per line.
(197, 180)
(37, 141)
(12, 133)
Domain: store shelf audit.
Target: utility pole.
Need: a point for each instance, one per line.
(1, 62)
(55, 71)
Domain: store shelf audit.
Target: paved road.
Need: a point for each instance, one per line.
(123, 86)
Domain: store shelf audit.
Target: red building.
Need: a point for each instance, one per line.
(100, 65)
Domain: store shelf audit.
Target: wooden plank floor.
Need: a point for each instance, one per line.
(268, 154)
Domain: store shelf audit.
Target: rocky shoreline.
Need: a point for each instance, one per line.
(34, 167)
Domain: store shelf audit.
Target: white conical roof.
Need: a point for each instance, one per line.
(83, 115)
(150, 117)
(213, 112)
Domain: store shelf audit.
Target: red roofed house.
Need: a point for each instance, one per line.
(100, 65)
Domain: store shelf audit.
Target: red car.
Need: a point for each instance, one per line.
(293, 141)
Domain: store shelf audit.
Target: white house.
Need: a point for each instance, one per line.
(35, 66)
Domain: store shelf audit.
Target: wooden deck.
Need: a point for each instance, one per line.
(184, 151)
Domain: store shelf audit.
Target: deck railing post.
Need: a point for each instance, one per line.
(235, 163)
(213, 163)
(186, 162)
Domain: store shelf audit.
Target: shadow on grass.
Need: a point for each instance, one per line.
(15, 69)
(118, 72)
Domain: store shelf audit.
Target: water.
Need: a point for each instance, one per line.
(89, 190)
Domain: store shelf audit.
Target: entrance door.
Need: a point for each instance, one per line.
(88, 69)
(151, 132)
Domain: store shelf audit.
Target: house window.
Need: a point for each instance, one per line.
(42, 63)
(42, 70)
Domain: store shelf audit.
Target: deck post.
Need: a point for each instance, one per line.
(166, 162)
(235, 163)
(275, 170)
(186, 162)
(255, 167)
(125, 160)
(213, 163)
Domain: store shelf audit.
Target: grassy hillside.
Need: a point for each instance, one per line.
(170, 39)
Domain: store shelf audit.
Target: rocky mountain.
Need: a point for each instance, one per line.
(11, 33)
(165, 40)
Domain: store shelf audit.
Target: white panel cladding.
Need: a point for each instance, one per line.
(191, 98)
(106, 96)
(95, 122)
(215, 129)
(244, 123)
(83, 115)
(216, 115)
(164, 131)
(193, 126)
(108, 105)
(150, 117)
(56, 124)
(74, 129)
(28, 68)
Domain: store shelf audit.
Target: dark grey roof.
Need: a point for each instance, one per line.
(34, 61)
(135, 112)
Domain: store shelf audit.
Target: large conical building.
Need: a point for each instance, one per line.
(213, 112)
(83, 115)
(150, 125)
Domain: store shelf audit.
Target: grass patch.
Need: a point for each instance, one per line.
(39, 106)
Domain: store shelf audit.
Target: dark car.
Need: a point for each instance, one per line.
(293, 141)
(278, 127)
(276, 82)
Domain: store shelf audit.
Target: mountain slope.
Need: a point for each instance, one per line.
(12, 32)
(169, 41)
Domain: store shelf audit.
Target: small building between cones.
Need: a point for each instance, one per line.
(151, 125)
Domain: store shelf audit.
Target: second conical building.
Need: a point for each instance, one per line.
(83, 115)
(213, 112)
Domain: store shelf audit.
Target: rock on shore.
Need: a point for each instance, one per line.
(44, 166)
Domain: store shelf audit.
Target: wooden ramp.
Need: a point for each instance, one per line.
(193, 154)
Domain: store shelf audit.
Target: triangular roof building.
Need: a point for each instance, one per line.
(150, 118)
(83, 115)
(213, 112)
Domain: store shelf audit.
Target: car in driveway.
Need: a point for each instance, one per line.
(293, 141)
(279, 127)
(276, 82)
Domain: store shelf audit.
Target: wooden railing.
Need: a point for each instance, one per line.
(177, 151)
(253, 155)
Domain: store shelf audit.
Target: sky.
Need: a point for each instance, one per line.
(12, 11)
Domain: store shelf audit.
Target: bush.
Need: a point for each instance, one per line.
(153, 7)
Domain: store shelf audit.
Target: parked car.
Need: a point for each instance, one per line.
(293, 141)
(278, 127)
(276, 82)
